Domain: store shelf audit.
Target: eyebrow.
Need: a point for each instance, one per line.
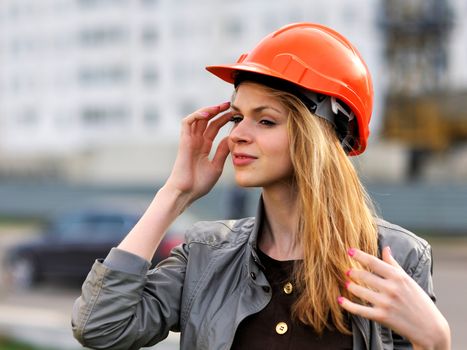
(258, 109)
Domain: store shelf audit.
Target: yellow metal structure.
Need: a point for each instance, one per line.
(433, 121)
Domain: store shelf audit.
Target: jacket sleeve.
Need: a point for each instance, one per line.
(421, 272)
(416, 259)
(125, 306)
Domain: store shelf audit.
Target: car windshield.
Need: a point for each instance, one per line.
(91, 228)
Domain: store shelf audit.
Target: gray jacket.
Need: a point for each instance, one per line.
(206, 288)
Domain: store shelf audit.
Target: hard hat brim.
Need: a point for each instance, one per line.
(227, 72)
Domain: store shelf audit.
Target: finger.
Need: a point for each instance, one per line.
(205, 113)
(371, 262)
(367, 278)
(187, 122)
(357, 309)
(199, 120)
(199, 126)
(387, 257)
(363, 293)
(215, 125)
(221, 154)
(215, 110)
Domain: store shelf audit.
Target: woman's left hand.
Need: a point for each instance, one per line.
(396, 301)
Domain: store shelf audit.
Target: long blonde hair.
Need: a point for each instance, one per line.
(335, 214)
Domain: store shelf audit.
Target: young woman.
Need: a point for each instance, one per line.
(314, 269)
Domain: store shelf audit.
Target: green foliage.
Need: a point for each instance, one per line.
(7, 344)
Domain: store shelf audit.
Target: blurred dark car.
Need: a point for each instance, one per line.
(69, 245)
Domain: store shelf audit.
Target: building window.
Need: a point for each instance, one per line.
(104, 115)
(233, 28)
(150, 76)
(151, 116)
(102, 36)
(149, 2)
(187, 107)
(92, 3)
(103, 75)
(149, 36)
(28, 117)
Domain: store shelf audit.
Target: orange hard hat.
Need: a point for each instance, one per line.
(318, 59)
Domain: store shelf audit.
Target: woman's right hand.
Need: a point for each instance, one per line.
(194, 173)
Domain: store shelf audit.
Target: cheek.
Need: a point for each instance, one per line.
(282, 146)
(283, 154)
(230, 143)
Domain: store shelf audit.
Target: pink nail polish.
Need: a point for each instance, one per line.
(351, 251)
(347, 283)
(340, 300)
(348, 272)
(204, 114)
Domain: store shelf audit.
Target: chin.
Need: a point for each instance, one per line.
(247, 182)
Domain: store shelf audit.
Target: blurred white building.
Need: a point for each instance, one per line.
(457, 74)
(79, 77)
(75, 74)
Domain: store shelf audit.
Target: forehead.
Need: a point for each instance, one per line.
(249, 94)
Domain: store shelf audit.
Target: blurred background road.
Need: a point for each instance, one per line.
(41, 316)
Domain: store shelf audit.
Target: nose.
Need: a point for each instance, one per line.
(240, 132)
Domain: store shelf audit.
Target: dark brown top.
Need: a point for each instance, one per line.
(273, 327)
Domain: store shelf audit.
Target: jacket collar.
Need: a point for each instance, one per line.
(253, 239)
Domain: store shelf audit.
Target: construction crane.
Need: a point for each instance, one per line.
(420, 108)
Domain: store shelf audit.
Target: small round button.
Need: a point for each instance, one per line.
(288, 288)
(281, 328)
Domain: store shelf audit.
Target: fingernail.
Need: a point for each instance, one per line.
(351, 251)
(348, 272)
(389, 251)
(225, 104)
(204, 114)
(340, 300)
(347, 283)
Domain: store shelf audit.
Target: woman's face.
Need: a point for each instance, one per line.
(258, 141)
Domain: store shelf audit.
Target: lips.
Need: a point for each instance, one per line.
(241, 159)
